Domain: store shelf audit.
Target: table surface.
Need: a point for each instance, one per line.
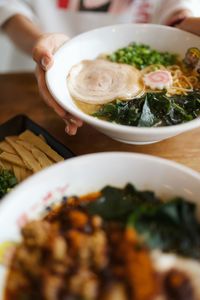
(19, 95)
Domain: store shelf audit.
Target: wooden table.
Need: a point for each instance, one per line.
(19, 95)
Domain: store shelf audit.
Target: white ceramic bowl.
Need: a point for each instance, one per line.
(86, 174)
(106, 40)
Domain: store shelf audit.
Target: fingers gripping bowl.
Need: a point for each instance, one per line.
(90, 45)
(78, 177)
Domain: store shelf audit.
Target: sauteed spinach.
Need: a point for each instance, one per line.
(7, 182)
(171, 226)
(152, 110)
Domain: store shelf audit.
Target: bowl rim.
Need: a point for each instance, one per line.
(76, 160)
(111, 125)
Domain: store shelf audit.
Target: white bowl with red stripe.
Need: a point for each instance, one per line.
(106, 40)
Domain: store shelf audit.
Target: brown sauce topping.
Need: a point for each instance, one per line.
(70, 255)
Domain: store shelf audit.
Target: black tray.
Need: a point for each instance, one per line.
(20, 123)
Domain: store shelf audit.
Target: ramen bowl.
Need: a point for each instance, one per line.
(106, 40)
(82, 175)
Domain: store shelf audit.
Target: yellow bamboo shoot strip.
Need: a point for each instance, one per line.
(7, 165)
(21, 173)
(4, 146)
(1, 165)
(25, 144)
(41, 157)
(17, 172)
(42, 137)
(30, 162)
(30, 137)
(27, 155)
(25, 173)
(38, 155)
(12, 158)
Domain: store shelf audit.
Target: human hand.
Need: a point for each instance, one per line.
(190, 24)
(178, 16)
(43, 52)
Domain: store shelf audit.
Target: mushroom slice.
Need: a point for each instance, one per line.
(100, 81)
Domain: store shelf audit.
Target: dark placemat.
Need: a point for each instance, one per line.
(20, 123)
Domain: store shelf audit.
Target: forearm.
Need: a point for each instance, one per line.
(191, 24)
(23, 32)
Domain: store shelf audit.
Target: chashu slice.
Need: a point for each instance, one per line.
(100, 81)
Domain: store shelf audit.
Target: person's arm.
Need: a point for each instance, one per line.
(177, 17)
(191, 25)
(23, 32)
(172, 12)
(29, 38)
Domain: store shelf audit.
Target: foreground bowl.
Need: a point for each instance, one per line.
(106, 40)
(86, 174)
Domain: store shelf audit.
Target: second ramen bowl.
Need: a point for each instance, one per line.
(106, 40)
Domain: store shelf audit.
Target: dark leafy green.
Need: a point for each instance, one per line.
(116, 203)
(7, 182)
(153, 109)
(170, 226)
(142, 56)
